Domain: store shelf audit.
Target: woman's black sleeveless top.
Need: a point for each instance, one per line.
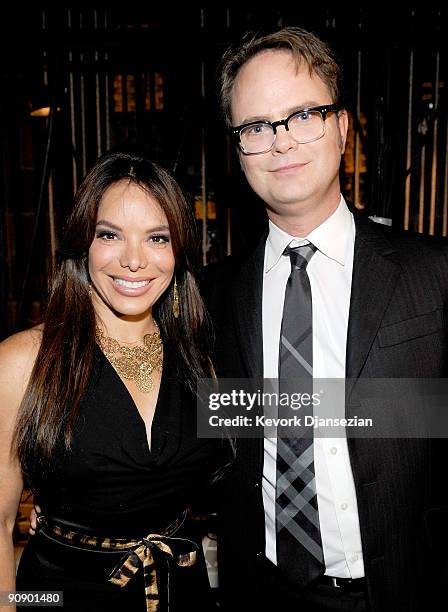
(110, 482)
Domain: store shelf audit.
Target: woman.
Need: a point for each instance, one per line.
(97, 405)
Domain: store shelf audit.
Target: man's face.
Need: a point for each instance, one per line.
(291, 177)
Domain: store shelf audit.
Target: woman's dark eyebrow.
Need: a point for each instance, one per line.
(108, 224)
(104, 223)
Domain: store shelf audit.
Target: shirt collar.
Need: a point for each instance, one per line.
(331, 238)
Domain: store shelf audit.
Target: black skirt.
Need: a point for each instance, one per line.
(82, 576)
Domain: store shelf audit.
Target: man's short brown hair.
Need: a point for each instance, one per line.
(303, 45)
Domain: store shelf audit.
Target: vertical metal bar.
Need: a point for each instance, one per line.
(107, 93)
(203, 160)
(124, 101)
(203, 177)
(421, 209)
(82, 106)
(73, 122)
(97, 91)
(432, 205)
(44, 27)
(445, 189)
(51, 222)
(108, 98)
(71, 87)
(97, 104)
(229, 212)
(50, 191)
(407, 190)
(83, 115)
(229, 233)
(356, 168)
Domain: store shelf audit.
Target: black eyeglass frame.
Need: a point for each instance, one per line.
(323, 110)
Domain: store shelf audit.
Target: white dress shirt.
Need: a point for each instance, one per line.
(330, 274)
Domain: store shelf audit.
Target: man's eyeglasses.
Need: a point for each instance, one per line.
(304, 126)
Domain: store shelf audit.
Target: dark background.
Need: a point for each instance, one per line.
(147, 77)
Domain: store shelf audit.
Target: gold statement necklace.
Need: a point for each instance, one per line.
(134, 363)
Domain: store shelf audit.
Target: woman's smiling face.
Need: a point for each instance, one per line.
(131, 261)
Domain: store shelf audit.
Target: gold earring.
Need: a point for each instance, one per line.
(90, 291)
(175, 300)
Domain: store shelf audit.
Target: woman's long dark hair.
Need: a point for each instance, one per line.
(65, 359)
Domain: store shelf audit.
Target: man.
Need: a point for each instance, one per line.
(364, 517)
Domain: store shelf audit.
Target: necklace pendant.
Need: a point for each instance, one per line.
(144, 382)
(143, 379)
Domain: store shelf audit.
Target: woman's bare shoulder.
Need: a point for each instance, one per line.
(18, 353)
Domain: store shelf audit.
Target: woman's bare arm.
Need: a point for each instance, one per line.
(17, 356)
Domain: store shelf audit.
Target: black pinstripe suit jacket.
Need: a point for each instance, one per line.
(398, 328)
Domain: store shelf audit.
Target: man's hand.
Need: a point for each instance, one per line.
(33, 519)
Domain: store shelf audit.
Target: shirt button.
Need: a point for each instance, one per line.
(354, 557)
(344, 506)
(333, 450)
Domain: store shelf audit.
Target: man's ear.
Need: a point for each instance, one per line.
(342, 120)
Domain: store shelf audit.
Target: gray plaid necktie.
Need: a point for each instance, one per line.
(299, 545)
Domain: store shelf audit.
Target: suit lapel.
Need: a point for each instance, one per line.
(247, 309)
(376, 269)
(247, 313)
